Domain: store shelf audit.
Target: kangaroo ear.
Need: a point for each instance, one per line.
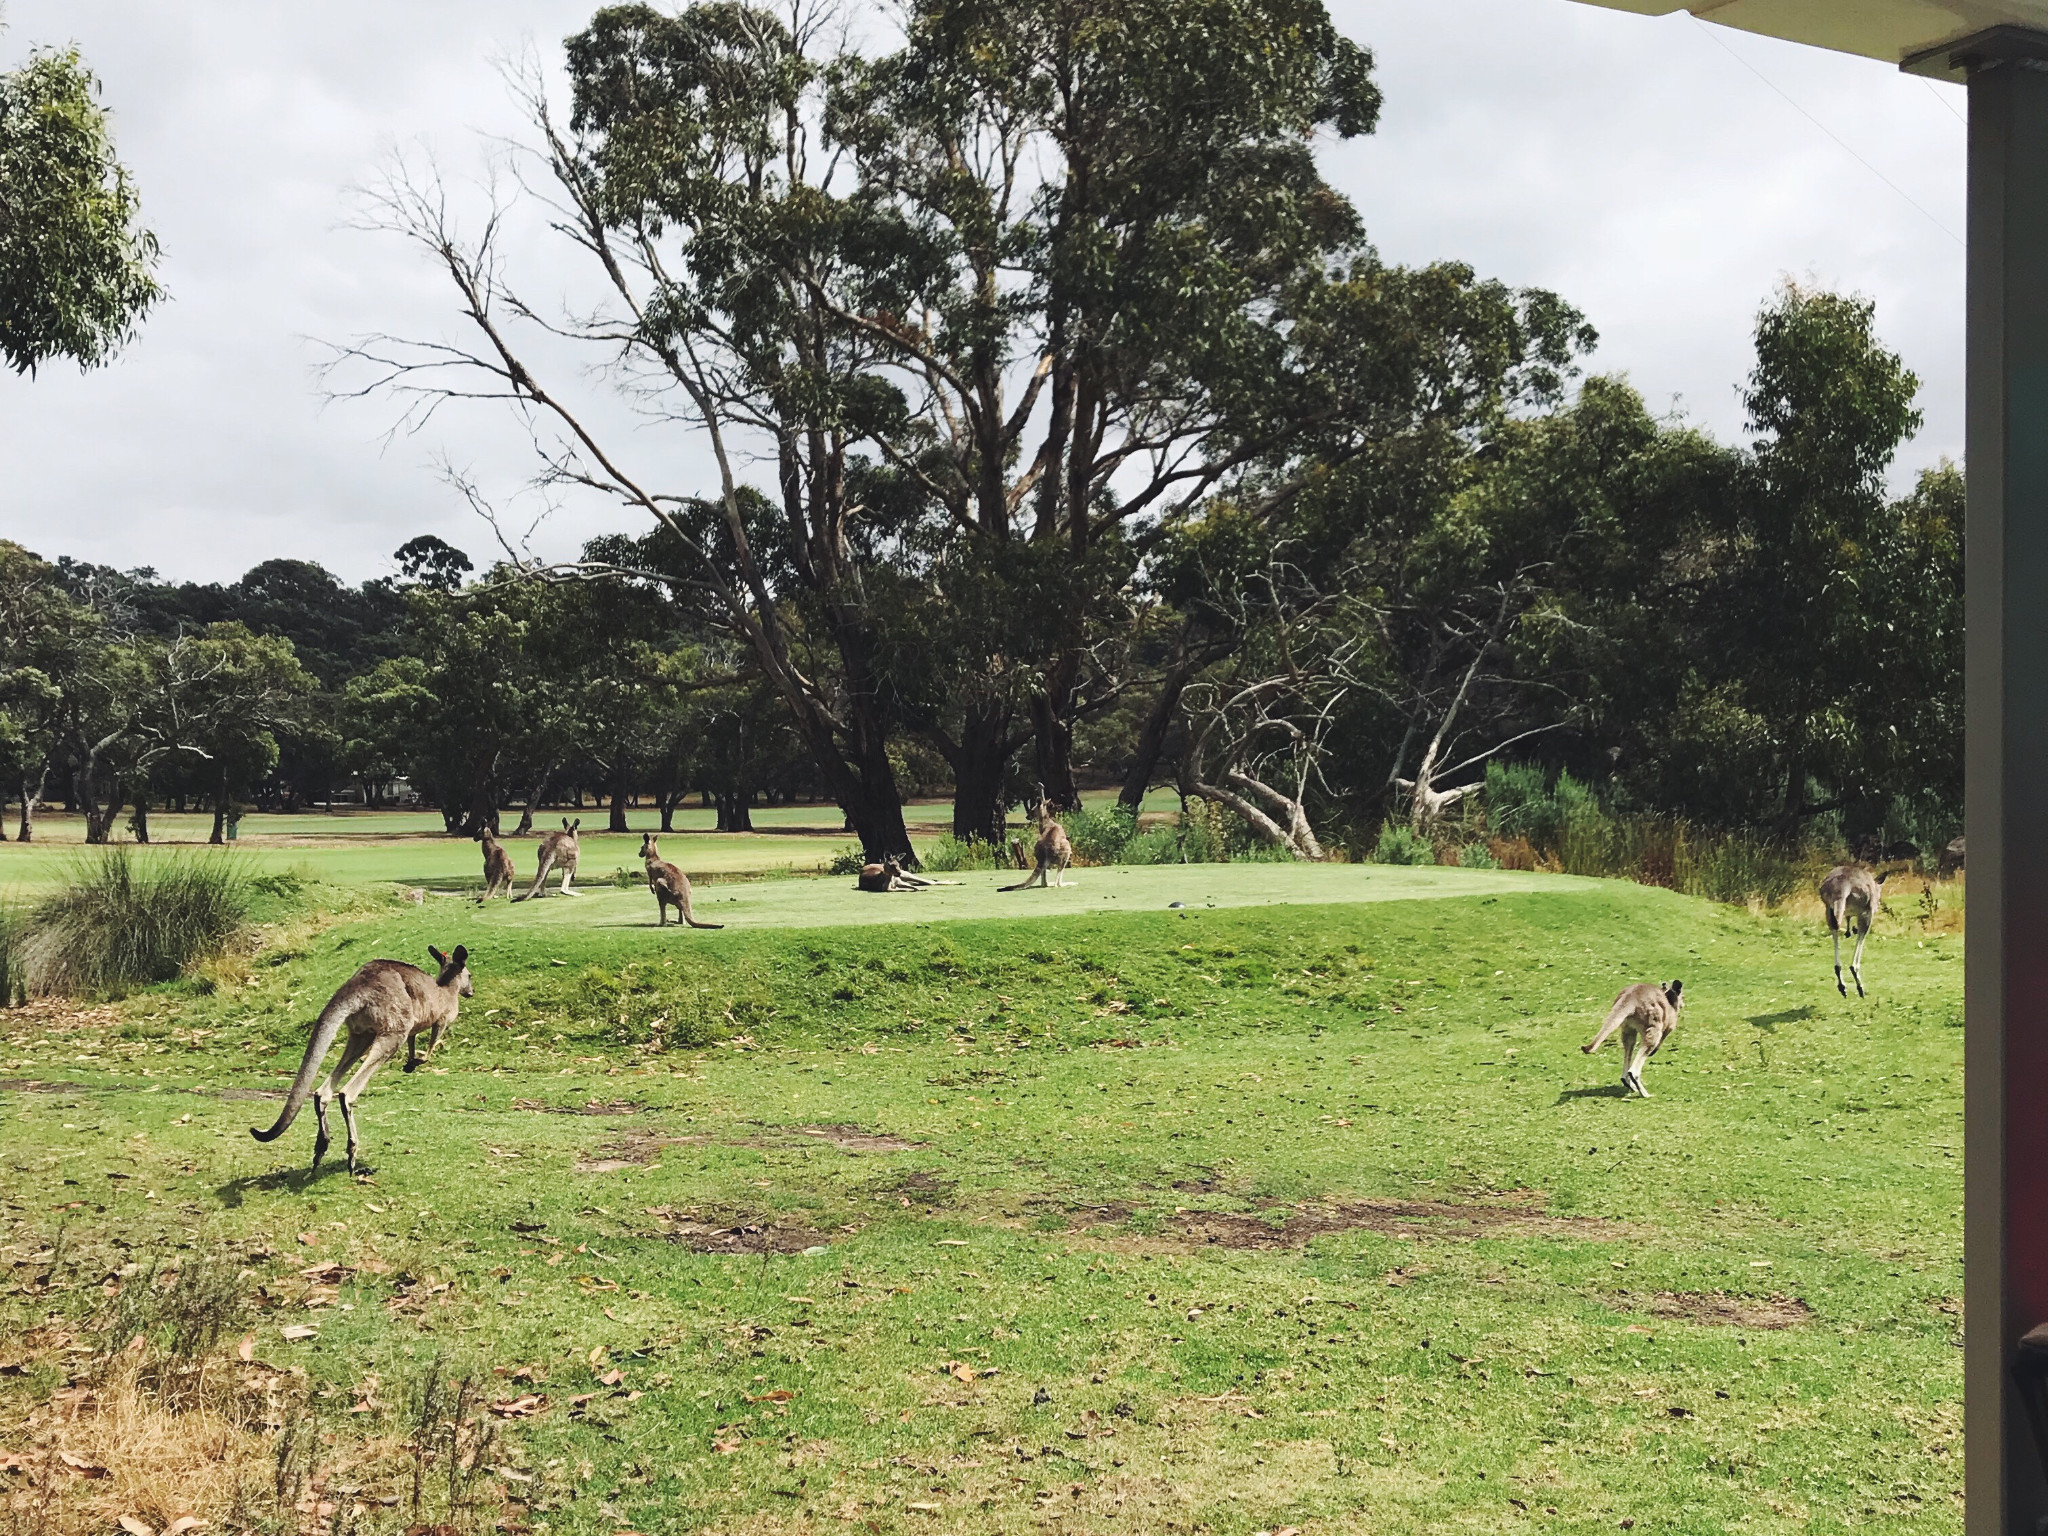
(439, 958)
(461, 956)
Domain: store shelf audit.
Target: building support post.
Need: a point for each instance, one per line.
(2006, 1047)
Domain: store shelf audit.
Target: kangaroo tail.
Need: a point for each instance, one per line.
(1616, 1017)
(325, 1029)
(683, 901)
(540, 879)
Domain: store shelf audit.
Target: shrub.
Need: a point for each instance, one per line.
(1398, 844)
(120, 924)
(847, 861)
(949, 856)
(1477, 856)
(1162, 845)
(1099, 837)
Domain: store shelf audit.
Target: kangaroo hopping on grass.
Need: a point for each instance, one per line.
(1645, 1014)
(557, 848)
(670, 885)
(384, 1005)
(498, 874)
(1851, 895)
(1052, 853)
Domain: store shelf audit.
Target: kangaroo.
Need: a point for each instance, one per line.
(1052, 852)
(385, 1005)
(890, 875)
(1851, 895)
(1645, 1014)
(498, 875)
(670, 885)
(557, 848)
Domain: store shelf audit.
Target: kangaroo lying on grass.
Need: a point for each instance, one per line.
(1053, 851)
(889, 875)
(557, 848)
(385, 1005)
(497, 866)
(1851, 895)
(670, 885)
(1645, 1014)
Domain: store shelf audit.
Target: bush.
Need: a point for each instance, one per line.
(847, 861)
(949, 856)
(1162, 845)
(1100, 837)
(1398, 844)
(120, 924)
(1477, 856)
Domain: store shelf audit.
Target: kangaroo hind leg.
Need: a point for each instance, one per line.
(379, 1053)
(1835, 928)
(358, 1043)
(1856, 961)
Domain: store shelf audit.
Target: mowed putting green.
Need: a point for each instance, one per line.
(833, 902)
(971, 1211)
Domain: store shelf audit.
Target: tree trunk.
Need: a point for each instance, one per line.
(140, 820)
(1152, 735)
(620, 773)
(980, 761)
(735, 812)
(1052, 713)
(220, 807)
(31, 799)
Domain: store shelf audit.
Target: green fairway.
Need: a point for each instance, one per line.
(1060, 1210)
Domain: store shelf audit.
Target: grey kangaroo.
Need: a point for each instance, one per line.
(670, 885)
(498, 874)
(1645, 1014)
(1052, 853)
(1851, 896)
(557, 848)
(890, 875)
(384, 1005)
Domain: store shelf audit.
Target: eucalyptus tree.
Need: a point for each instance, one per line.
(76, 270)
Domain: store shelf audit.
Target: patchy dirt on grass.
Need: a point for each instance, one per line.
(588, 1107)
(634, 1149)
(729, 1232)
(1719, 1309)
(1286, 1226)
(851, 1138)
(55, 1013)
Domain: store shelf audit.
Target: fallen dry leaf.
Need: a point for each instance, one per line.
(299, 1331)
(81, 1466)
(135, 1527)
(184, 1523)
(725, 1447)
(958, 1368)
(246, 1350)
(529, 1406)
(779, 1395)
(924, 1509)
(611, 1378)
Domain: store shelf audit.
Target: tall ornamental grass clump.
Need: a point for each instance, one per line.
(121, 922)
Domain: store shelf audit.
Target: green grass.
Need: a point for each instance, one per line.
(1433, 1301)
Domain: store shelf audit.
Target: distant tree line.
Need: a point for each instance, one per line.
(1068, 433)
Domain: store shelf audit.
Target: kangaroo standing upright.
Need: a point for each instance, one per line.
(1645, 1014)
(557, 848)
(670, 885)
(384, 1005)
(1052, 853)
(1851, 895)
(497, 865)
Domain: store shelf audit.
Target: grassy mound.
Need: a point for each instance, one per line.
(120, 923)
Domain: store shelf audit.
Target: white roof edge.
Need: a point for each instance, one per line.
(1918, 35)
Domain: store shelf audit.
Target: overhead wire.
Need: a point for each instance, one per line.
(1841, 142)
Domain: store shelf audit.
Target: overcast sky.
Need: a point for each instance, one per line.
(1662, 175)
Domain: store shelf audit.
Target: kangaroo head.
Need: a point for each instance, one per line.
(1671, 994)
(454, 970)
(648, 850)
(571, 826)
